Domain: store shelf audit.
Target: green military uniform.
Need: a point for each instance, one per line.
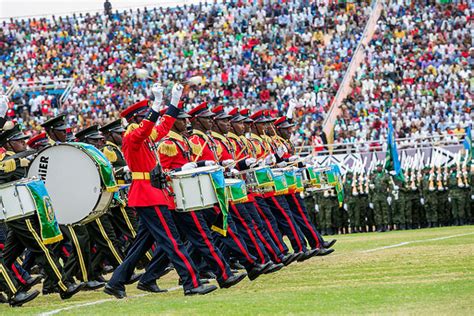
(398, 203)
(457, 196)
(381, 183)
(429, 197)
(367, 198)
(443, 205)
(325, 214)
(352, 203)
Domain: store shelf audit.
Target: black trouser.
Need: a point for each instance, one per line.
(156, 224)
(232, 242)
(105, 241)
(124, 220)
(78, 264)
(8, 283)
(25, 233)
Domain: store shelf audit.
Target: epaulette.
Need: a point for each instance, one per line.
(131, 128)
(168, 148)
(196, 148)
(110, 154)
(153, 135)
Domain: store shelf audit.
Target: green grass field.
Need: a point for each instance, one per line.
(428, 271)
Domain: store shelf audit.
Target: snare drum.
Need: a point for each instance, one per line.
(281, 187)
(290, 176)
(299, 181)
(260, 177)
(16, 200)
(79, 180)
(236, 190)
(194, 188)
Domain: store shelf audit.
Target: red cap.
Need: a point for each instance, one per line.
(259, 116)
(244, 112)
(201, 111)
(134, 110)
(234, 111)
(282, 122)
(220, 113)
(37, 141)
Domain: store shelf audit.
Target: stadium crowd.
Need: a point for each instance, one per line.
(418, 65)
(251, 56)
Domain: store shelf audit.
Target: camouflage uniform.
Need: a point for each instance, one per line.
(430, 197)
(398, 204)
(456, 193)
(381, 183)
(353, 203)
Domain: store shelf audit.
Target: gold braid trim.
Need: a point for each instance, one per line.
(153, 135)
(168, 149)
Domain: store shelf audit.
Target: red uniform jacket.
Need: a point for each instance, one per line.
(140, 158)
(173, 150)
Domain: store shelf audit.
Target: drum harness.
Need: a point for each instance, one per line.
(157, 175)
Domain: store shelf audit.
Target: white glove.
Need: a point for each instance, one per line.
(24, 162)
(3, 105)
(372, 186)
(227, 162)
(449, 199)
(270, 159)
(157, 91)
(189, 166)
(316, 208)
(371, 206)
(281, 151)
(422, 201)
(126, 169)
(396, 188)
(176, 93)
(234, 172)
(393, 172)
(209, 163)
(389, 200)
(472, 197)
(345, 206)
(291, 108)
(293, 158)
(250, 161)
(282, 164)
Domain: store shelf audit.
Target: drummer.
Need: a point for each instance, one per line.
(175, 155)
(25, 232)
(240, 214)
(205, 147)
(277, 203)
(242, 152)
(101, 230)
(38, 142)
(79, 263)
(296, 203)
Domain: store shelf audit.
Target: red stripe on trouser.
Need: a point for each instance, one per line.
(249, 232)
(17, 274)
(239, 244)
(209, 245)
(288, 219)
(306, 222)
(270, 227)
(175, 245)
(267, 245)
(66, 253)
(2, 246)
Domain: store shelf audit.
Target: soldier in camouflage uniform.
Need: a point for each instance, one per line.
(325, 214)
(351, 202)
(429, 196)
(456, 196)
(380, 183)
(336, 211)
(443, 206)
(368, 201)
(398, 203)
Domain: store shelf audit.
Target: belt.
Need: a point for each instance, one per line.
(140, 176)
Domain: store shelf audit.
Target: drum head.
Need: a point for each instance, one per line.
(72, 180)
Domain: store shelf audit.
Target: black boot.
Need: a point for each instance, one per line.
(21, 298)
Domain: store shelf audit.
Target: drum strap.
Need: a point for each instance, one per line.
(186, 153)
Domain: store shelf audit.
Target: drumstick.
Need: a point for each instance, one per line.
(200, 153)
(235, 163)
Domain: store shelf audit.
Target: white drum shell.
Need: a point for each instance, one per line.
(15, 201)
(73, 182)
(193, 189)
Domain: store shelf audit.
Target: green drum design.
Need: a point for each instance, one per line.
(236, 190)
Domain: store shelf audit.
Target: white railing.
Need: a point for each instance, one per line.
(377, 146)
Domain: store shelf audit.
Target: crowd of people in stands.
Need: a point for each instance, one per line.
(251, 56)
(418, 66)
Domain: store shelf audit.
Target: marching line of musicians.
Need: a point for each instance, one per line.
(380, 201)
(141, 228)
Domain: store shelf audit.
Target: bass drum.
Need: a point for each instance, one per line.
(71, 173)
